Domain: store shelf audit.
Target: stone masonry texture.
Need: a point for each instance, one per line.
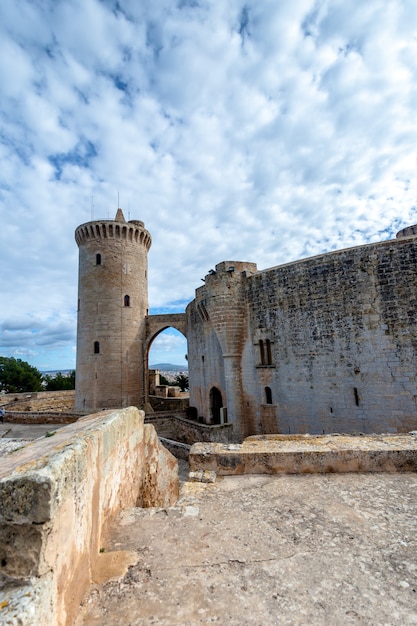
(323, 345)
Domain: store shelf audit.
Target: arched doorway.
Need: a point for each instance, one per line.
(216, 403)
(165, 343)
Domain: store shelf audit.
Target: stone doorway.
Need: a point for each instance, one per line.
(216, 403)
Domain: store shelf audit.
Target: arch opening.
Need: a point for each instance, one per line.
(167, 351)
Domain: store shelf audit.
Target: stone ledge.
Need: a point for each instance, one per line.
(305, 454)
(58, 497)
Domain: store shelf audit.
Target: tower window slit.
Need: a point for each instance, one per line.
(268, 395)
(262, 351)
(96, 347)
(356, 394)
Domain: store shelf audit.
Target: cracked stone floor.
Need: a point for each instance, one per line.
(302, 549)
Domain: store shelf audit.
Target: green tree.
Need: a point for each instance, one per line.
(182, 381)
(17, 376)
(59, 382)
(163, 380)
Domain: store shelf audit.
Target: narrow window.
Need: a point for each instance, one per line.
(96, 347)
(268, 352)
(98, 259)
(262, 351)
(127, 300)
(268, 395)
(355, 392)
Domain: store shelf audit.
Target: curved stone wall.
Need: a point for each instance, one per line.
(327, 344)
(112, 307)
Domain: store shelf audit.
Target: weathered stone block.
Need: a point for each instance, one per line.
(304, 454)
(26, 499)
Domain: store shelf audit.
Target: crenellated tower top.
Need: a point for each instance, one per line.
(133, 230)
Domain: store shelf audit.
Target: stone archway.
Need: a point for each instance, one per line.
(156, 324)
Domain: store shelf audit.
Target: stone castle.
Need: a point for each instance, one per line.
(322, 345)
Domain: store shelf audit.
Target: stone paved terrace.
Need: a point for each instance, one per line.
(316, 549)
(321, 543)
(313, 548)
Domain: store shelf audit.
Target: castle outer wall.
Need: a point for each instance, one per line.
(323, 345)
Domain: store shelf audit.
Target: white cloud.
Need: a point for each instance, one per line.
(168, 347)
(168, 343)
(256, 131)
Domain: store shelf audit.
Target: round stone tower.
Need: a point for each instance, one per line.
(112, 307)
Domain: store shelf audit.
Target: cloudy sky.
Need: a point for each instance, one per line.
(257, 130)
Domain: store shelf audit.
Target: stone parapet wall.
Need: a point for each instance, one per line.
(306, 454)
(59, 496)
(179, 450)
(187, 431)
(169, 404)
(29, 417)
